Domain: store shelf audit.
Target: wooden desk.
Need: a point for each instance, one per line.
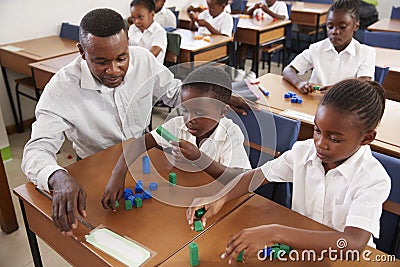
(385, 25)
(160, 227)
(17, 57)
(387, 140)
(184, 20)
(258, 33)
(390, 58)
(255, 212)
(42, 71)
(309, 14)
(8, 220)
(200, 50)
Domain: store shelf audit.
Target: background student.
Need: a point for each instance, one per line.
(337, 57)
(201, 5)
(164, 16)
(214, 20)
(207, 138)
(146, 32)
(264, 10)
(336, 179)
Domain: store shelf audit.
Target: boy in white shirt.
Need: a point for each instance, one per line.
(206, 138)
(164, 16)
(201, 5)
(214, 20)
(146, 32)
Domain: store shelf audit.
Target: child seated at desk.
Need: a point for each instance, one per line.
(264, 10)
(146, 32)
(336, 179)
(164, 16)
(337, 57)
(201, 5)
(214, 20)
(207, 138)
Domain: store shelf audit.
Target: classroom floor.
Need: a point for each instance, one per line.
(14, 248)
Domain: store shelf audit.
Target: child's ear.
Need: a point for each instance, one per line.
(368, 137)
(81, 51)
(356, 26)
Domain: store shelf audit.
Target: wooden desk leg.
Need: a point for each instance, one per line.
(257, 57)
(11, 100)
(8, 220)
(37, 260)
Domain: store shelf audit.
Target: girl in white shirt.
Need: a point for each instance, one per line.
(336, 180)
(214, 20)
(337, 57)
(164, 16)
(146, 32)
(206, 138)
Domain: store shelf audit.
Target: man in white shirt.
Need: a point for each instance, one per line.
(100, 99)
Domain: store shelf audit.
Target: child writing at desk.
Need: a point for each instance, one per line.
(146, 32)
(264, 10)
(207, 138)
(214, 20)
(336, 180)
(336, 58)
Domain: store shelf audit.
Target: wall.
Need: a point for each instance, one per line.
(26, 19)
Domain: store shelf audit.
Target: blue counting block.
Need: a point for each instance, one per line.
(146, 165)
(153, 186)
(287, 95)
(147, 194)
(293, 100)
(139, 186)
(131, 198)
(299, 100)
(138, 196)
(127, 193)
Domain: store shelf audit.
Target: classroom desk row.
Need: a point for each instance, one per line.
(387, 140)
(160, 227)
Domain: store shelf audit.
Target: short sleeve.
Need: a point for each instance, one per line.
(303, 62)
(160, 38)
(279, 169)
(226, 25)
(367, 67)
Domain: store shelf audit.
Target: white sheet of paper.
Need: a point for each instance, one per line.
(12, 48)
(298, 115)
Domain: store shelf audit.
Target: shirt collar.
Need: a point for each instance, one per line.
(346, 168)
(351, 48)
(163, 10)
(219, 133)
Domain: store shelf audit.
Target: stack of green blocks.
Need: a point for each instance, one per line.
(194, 254)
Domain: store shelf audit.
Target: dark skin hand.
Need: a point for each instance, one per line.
(238, 104)
(68, 198)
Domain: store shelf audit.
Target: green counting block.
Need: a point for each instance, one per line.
(278, 248)
(316, 87)
(164, 133)
(138, 202)
(128, 204)
(116, 204)
(198, 226)
(240, 256)
(172, 178)
(194, 254)
(199, 213)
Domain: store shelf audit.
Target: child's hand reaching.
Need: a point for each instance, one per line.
(211, 209)
(203, 23)
(192, 16)
(114, 190)
(305, 87)
(251, 240)
(184, 151)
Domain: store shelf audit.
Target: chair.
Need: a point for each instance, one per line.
(395, 13)
(380, 74)
(68, 31)
(233, 46)
(382, 39)
(268, 135)
(268, 51)
(390, 220)
(238, 6)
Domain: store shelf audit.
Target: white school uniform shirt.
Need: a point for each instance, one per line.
(225, 145)
(329, 67)
(166, 18)
(352, 194)
(154, 35)
(279, 7)
(222, 23)
(198, 3)
(91, 115)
